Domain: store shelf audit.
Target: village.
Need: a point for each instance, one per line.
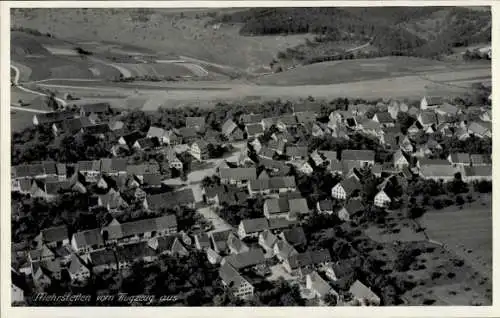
(238, 194)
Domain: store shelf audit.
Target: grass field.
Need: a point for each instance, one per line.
(20, 120)
(370, 69)
(467, 232)
(158, 69)
(163, 31)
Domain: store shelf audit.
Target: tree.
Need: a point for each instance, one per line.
(52, 102)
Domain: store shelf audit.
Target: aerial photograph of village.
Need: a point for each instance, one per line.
(258, 156)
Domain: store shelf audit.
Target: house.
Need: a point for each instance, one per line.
(363, 295)
(427, 119)
(130, 139)
(45, 271)
(213, 257)
(276, 208)
(283, 250)
(112, 201)
(381, 199)
(102, 260)
(198, 123)
(167, 245)
(486, 115)
(53, 237)
(250, 118)
(250, 258)
(87, 241)
(147, 143)
(201, 241)
(145, 229)
(52, 117)
(151, 180)
(384, 118)
(346, 188)
(170, 200)
(266, 153)
(286, 121)
(447, 110)
(277, 146)
(70, 126)
(305, 117)
(421, 162)
(199, 150)
(186, 134)
(77, 270)
(302, 165)
(42, 253)
(232, 131)
(318, 286)
(296, 152)
(219, 240)
(362, 157)
(139, 170)
(254, 130)
(173, 160)
(158, 133)
(459, 159)
(430, 102)
(274, 167)
(400, 161)
(294, 236)
(238, 285)
(480, 129)
(301, 263)
(476, 173)
(95, 108)
(128, 254)
(324, 206)
(237, 176)
(272, 185)
(119, 150)
(267, 240)
(252, 227)
(480, 160)
(437, 172)
(235, 245)
(263, 175)
(351, 208)
(114, 166)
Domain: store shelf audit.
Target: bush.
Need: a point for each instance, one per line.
(436, 275)
(451, 275)
(459, 200)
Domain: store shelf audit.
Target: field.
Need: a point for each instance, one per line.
(20, 120)
(467, 232)
(158, 69)
(164, 31)
(379, 68)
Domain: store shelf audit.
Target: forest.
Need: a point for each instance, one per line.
(388, 29)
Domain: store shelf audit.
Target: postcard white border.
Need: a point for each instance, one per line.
(420, 311)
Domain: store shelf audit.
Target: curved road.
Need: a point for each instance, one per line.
(16, 82)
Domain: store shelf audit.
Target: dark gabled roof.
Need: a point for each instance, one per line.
(170, 199)
(149, 225)
(266, 152)
(134, 251)
(253, 129)
(96, 129)
(280, 223)
(75, 124)
(350, 185)
(147, 143)
(433, 162)
(55, 234)
(384, 117)
(288, 120)
(187, 132)
(478, 171)
(354, 206)
(428, 118)
(54, 117)
(27, 170)
(94, 165)
(364, 155)
(305, 117)
(434, 100)
(246, 259)
(460, 157)
(228, 127)
(238, 174)
(325, 205)
(479, 159)
(102, 257)
(113, 165)
(230, 276)
(250, 118)
(273, 183)
(76, 264)
(296, 151)
(255, 225)
(295, 236)
(202, 239)
(88, 237)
